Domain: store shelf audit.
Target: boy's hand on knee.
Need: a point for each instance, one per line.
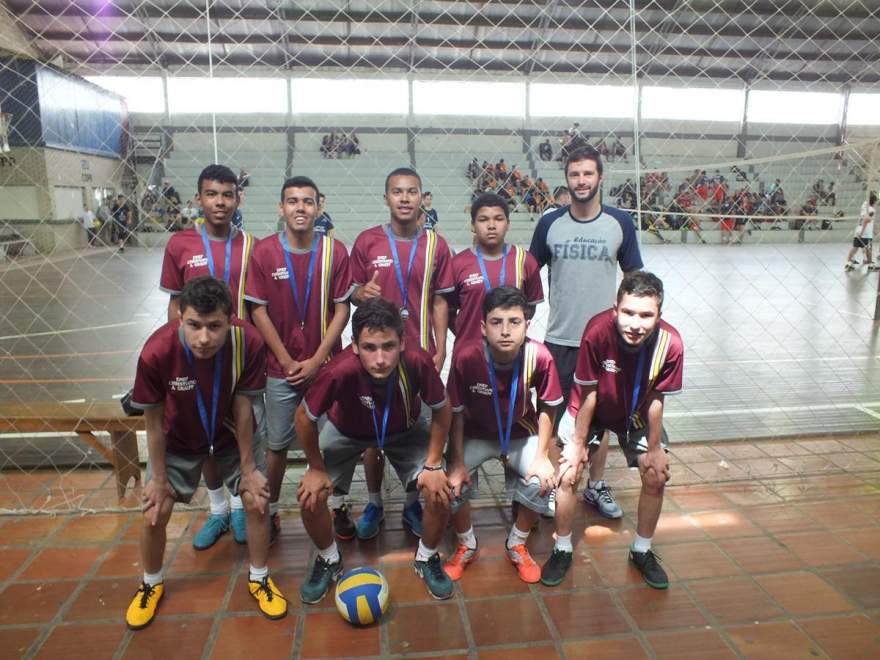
(255, 485)
(654, 466)
(435, 486)
(571, 465)
(313, 489)
(458, 477)
(156, 492)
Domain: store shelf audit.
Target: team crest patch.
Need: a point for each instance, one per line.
(382, 261)
(367, 402)
(197, 261)
(481, 388)
(280, 273)
(610, 366)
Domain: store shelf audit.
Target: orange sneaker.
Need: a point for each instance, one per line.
(528, 570)
(456, 564)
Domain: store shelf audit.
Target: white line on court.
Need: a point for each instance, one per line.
(867, 411)
(836, 358)
(775, 409)
(64, 332)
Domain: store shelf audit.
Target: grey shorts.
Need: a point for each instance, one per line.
(260, 434)
(185, 472)
(281, 402)
(405, 451)
(520, 455)
(638, 439)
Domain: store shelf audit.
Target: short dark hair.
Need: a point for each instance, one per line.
(641, 283)
(489, 199)
(376, 314)
(560, 190)
(206, 294)
(402, 171)
(872, 198)
(587, 152)
(426, 193)
(300, 182)
(219, 173)
(505, 297)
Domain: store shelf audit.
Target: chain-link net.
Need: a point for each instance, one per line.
(750, 125)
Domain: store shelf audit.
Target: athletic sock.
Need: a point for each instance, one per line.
(236, 503)
(595, 484)
(564, 543)
(517, 537)
(412, 496)
(468, 538)
(258, 574)
(641, 544)
(330, 554)
(217, 502)
(336, 501)
(152, 579)
(375, 499)
(273, 508)
(424, 553)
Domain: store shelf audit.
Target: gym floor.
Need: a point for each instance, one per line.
(770, 530)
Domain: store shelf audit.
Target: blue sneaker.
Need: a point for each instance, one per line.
(435, 578)
(215, 526)
(412, 518)
(370, 520)
(238, 520)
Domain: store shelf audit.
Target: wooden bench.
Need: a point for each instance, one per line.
(84, 419)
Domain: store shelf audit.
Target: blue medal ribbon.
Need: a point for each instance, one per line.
(504, 431)
(404, 285)
(482, 263)
(389, 392)
(209, 254)
(291, 276)
(210, 426)
(637, 386)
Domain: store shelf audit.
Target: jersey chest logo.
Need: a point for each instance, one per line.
(197, 261)
(610, 366)
(182, 384)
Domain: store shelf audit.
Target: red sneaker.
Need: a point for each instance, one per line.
(456, 564)
(528, 570)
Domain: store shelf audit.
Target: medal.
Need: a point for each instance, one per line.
(404, 313)
(504, 430)
(209, 254)
(485, 273)
(403, 285)
(380, 435)
(291, 276)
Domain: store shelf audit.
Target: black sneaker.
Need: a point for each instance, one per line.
(431, 571)
(554, 570)
(343, 526)
(316, 587)
(649, 566)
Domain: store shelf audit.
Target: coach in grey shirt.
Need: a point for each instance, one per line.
(582, 245)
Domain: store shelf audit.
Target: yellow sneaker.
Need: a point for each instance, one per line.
(143, 606)
(272, 603)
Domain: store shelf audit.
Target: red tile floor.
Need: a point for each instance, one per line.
(773, 550)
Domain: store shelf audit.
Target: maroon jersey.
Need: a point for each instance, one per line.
(164, 377)
(269, 284)
(604, 361)
(344, 390)
(470, 388)
(431, 274)
(521, 271)
(185, 259)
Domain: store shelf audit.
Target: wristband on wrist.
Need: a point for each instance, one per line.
(433, 468)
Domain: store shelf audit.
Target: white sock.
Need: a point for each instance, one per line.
(152, 579)
(258, 574)
(517, 536)
(330, 554)
(375, 499)
(217, 501)
(564, 543)
(424, 553)
(236, 503)
(595, 484)
(412, 496)
(641, 544)
(273, 508)
(468, 539)
(336, 501)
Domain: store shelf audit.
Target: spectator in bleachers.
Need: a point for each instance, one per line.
(830, 195)
(244, 178)
(561, 197)
(545, 150)
(473, 170)
(810, 211)
(326, 147)
(323, 223)
(188, 214)
(740, 175)
(122, 220)
(501, 170)
(618, 149)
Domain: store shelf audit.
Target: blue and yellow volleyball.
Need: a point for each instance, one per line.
(362, 596)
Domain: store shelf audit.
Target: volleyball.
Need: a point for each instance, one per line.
(362, 596)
